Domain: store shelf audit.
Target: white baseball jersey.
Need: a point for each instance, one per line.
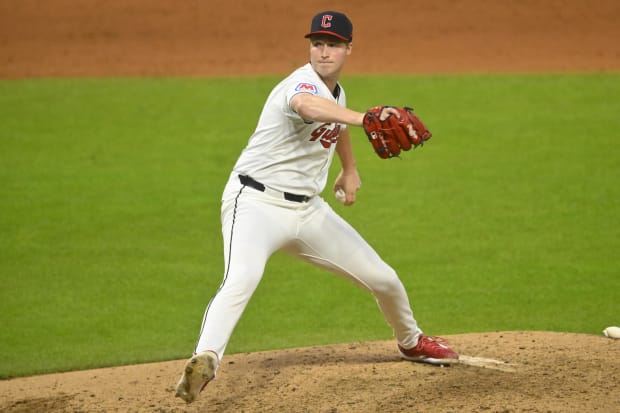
(285, 152)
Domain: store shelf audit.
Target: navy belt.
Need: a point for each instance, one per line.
(252, 183)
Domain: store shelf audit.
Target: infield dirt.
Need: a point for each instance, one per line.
(544, 372)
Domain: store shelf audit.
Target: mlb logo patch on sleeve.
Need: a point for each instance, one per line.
(307, 87)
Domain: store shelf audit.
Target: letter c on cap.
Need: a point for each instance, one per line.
(326, 22)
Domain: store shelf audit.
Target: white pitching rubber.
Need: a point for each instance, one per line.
(612, 332)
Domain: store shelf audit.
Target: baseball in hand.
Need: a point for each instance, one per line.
(612, 332)
(340, 196)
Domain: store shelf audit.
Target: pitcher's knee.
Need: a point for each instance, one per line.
(387, 284)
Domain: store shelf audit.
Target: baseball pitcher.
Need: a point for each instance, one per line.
(273, 202)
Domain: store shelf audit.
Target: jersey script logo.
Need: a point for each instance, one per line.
(326, 136)
(307, 87)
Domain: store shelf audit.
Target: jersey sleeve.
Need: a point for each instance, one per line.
(296, 86)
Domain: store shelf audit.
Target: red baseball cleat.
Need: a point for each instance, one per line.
(433, 350)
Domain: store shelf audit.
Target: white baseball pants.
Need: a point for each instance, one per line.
(256, 224)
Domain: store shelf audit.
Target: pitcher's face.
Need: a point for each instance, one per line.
(327, 55)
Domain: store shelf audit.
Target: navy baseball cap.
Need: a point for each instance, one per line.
(332, 23)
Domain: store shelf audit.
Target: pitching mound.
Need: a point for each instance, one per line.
(515, 372)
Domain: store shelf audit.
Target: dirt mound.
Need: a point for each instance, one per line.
(535, 372)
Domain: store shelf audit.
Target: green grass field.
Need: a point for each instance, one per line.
(110, 249)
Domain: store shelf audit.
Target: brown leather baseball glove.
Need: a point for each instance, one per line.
(390, 133)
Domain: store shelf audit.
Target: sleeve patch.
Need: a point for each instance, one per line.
(307, 87)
